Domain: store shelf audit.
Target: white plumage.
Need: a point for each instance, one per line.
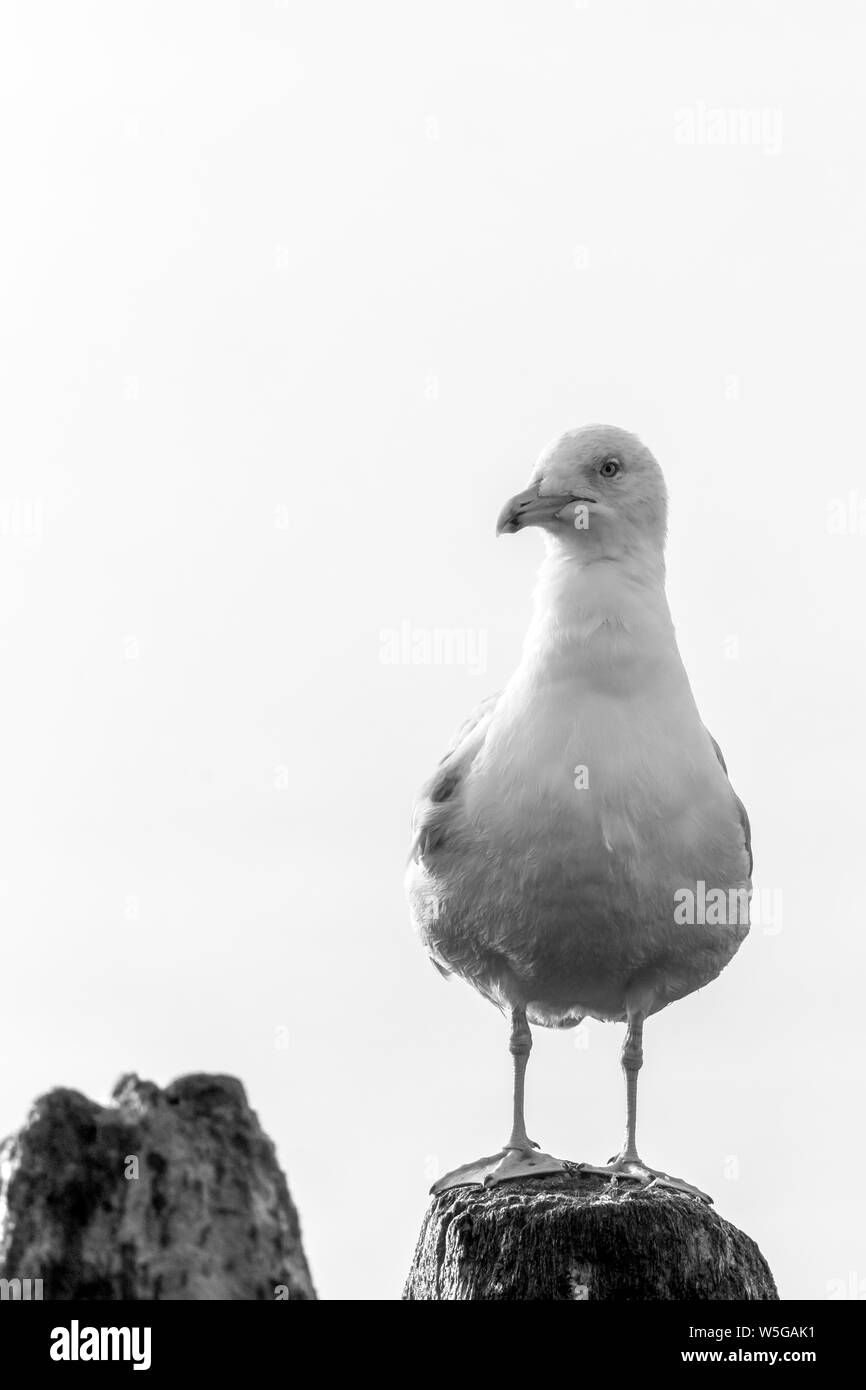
(577, 808)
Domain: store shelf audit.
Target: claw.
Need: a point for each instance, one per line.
(634, 1170)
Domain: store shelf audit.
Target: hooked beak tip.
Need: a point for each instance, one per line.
(508, 520)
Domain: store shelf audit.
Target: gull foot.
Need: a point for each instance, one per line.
(635, 1170)
(502, 1167)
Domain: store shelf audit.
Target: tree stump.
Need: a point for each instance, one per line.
(578, 1237)
(173, 1194)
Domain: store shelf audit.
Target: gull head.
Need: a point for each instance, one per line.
(597, 489)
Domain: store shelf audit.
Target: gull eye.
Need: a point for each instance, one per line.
(610, 467)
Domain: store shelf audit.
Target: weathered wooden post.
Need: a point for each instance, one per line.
(173, 1194)
(574, 1236)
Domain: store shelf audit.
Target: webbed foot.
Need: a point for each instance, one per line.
(634, 1170)
(508, 1164)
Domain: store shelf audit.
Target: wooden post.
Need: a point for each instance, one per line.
(571, 1237)
(173, 1194)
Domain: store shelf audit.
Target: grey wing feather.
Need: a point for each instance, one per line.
(744, 815)
(433, 812)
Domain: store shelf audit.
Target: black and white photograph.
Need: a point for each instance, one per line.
(432, 579)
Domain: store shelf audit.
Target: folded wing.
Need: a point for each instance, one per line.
(744, 816)
(438, 803)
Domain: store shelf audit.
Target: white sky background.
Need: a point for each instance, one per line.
(239, 242)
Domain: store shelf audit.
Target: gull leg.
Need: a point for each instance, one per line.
(520, 1046)
(628, 1164)
(520, 1157)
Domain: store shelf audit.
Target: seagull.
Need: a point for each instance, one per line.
(579, 850)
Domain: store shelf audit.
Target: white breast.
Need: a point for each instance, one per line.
(596, 749)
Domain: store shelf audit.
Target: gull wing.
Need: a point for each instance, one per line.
(438, 802)
(744, 815)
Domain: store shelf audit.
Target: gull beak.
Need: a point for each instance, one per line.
(532, 508)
